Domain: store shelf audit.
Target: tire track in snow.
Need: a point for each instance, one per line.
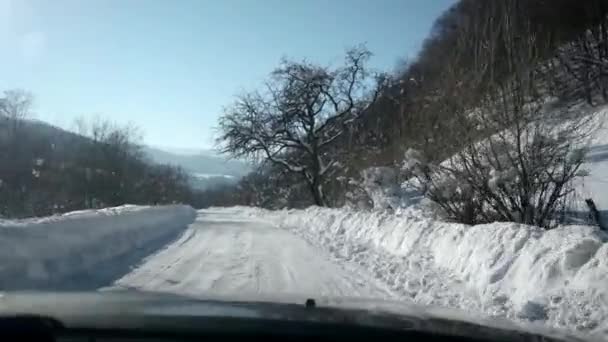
(221, 254)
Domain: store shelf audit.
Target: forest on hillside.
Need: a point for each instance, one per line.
(46, 170)
(488, 122)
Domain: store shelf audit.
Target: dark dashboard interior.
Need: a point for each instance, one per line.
(33, 328)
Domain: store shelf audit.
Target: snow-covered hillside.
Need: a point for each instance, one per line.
(86, 249)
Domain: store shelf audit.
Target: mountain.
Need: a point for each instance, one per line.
(186, 151)
(206, 167)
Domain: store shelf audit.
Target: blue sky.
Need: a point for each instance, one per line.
(171, 66)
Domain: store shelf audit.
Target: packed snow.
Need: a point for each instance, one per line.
(225, 253)
(86, 249)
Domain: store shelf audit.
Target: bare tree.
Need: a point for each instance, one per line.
(15, 170)
(302, 111)
(106, 159)
(585, 57)
(523, 173)
(16, 105)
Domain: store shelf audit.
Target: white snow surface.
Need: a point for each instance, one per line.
(557, 278)
(83, 249)
(595, 185)
(226, 253)
(554, 278)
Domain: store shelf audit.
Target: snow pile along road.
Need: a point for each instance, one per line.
(86, 249)
(558, 277)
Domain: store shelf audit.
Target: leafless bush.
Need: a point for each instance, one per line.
(523, 173)
(517, 155)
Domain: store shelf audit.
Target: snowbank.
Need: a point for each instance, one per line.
(84, 249)
(559, 277)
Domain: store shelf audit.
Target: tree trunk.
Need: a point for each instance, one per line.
(595, 214)
(315, 176)
(317, 194)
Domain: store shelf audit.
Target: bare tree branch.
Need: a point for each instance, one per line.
(304, 110)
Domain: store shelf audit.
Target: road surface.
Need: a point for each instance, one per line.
(224, 254)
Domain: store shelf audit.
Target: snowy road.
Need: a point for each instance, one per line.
(223, 253)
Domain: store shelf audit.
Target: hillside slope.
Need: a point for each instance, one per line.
(200, 163)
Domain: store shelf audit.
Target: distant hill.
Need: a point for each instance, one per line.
(187, 151)
(206, 167)
(46, 170)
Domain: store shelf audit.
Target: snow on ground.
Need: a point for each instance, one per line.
(85, 249)
(595, 185)
(557, 277)
(225, 253)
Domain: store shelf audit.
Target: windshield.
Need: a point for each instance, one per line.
(444, 154)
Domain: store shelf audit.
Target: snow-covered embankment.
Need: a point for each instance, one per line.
(86, 249)
(559, 277)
